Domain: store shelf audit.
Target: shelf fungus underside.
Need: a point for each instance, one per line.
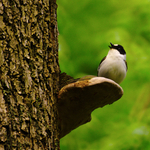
(77, 100)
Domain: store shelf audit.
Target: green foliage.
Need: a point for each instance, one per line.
(86, 27)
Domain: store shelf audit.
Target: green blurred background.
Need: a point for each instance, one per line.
(86, 28)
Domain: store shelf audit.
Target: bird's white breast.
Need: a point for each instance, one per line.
(113, 67)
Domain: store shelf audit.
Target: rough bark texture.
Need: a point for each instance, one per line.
(29, 75)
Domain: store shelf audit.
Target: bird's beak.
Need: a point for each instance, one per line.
(111, 45)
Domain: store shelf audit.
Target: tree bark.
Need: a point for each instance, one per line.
(29, 75)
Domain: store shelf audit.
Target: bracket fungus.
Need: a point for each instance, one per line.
(77, 100)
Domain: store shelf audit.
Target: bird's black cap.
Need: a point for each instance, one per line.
(118, 47)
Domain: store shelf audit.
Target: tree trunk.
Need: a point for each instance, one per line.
(29, 75)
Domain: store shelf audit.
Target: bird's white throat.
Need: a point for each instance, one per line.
(113, 54)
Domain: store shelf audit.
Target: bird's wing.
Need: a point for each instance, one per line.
(126, 65)
(102, 60)
(100, 64)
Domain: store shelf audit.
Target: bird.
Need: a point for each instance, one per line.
(114, 65)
